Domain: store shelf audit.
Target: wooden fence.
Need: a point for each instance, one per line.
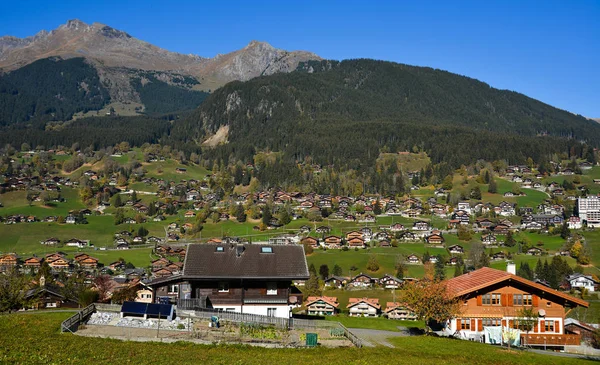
(72, 323)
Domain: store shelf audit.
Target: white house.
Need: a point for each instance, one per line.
(581, 281)
(363, 307)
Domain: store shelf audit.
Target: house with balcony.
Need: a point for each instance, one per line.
(363, 307)
(322, 306)
(243, 278)
(492, 300)
(396, 310)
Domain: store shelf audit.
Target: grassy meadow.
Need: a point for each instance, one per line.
(35, 339)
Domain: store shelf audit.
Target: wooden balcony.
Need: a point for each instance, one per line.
(550, 340)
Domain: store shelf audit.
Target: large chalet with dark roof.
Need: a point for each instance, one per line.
(244, 278)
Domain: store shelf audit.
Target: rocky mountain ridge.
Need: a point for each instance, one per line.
(106, 47)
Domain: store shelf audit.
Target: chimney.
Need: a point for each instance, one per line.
(511, 268)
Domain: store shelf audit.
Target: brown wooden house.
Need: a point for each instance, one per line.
(493, 298)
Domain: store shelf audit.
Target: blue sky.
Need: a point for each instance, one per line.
(546, 49)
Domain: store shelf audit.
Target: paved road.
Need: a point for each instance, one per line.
(372, 338)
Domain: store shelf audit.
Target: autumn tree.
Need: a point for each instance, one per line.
(430, 300)
(373, 264)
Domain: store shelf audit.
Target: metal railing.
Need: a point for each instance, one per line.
(72, 323)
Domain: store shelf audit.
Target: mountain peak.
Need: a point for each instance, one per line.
(74, 24)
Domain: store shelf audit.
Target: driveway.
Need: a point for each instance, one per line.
(372, 338)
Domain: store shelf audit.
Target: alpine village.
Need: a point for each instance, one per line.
(266, 205)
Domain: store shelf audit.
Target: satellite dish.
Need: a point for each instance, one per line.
(542, 313)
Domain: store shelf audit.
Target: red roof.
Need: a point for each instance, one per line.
(329, 300)
(374, 302)
(484, 277)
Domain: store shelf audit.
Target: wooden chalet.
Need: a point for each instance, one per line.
(335, 282)
(435, 239)
(356, 242)
(8, 261)
(243, 278)
(396, 310)
(390, 282)
(493, 298)
(311, 241)
(332, 242)
(361, 281)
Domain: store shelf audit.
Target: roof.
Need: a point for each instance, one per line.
(373, 302)
(485, 277)
(329, 300)
(389, 306)
(204, 261)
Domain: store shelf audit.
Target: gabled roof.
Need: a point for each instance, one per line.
(329, 300)
(389, 306)
(373, 302)
(485, 277)
(207, 261)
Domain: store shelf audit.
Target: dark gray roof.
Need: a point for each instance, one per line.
(204, 261)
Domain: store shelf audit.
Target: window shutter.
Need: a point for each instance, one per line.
(504, 323)
(458, 324)
(557, 326)
(509, 300)
(479, 301)
(542, 326)
(480, 324)
(535, 300)
(503, 300)
(473, 325)
(510, 323)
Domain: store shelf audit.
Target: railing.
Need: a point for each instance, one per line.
(190, 304)
(285, 323)
(243, 317)
(550, 340)
(72, 323)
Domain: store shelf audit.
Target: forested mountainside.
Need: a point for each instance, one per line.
(54, 89)
(347, 112)
(50, 89)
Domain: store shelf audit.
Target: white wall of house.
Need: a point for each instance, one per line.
(362, 310)
(582, 282)
(275, 310)
(472, 331)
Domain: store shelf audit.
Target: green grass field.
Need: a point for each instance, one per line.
(35, 339)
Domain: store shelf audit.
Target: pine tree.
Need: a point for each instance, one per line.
(324, 271)
(337, 270)
(458, 270)
(492, 187)
(118, 203)
(440, 273)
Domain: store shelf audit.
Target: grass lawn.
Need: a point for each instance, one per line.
(35, 338)
(166, 170)
(376, 323)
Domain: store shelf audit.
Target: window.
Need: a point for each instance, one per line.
(51, 305)
(174, 288)
(491, 322)
(490, 299)
(522, 299)
(229, 309)
(465, 324)
(549, 326)
(271, 312)
(496, 299)
(271, 288)
(223, 287)
(486, 299)
(220, 249)
(266, 249)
